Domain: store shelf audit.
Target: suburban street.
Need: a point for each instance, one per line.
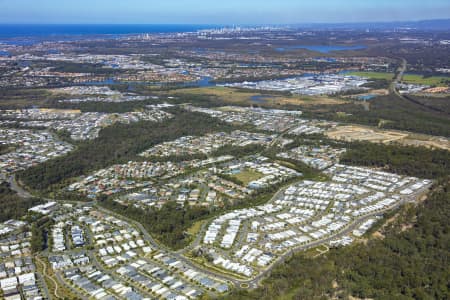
(255, 281)
(239, 283)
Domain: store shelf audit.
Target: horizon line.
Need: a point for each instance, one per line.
(243, 24)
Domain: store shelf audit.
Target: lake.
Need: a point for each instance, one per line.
(260, 99)
(366, 97)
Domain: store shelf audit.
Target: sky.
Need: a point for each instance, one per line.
(218, 11)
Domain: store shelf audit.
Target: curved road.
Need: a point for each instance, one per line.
(253, 282)
(17, 188)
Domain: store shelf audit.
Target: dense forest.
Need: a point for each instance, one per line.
(440, 104)
(40, 230)
(101, 106)
(11, 205)
(390, 112)
(167, 225)
(238, 151)
(412, 161)
(118, 144)
(409, 260)
(71, 67)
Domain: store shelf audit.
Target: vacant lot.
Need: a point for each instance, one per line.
(23, 98)
(236, 96)
(60, 111)
(362, 133)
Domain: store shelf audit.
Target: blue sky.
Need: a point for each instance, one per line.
(218, 11)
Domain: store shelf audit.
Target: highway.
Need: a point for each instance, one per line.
(400, 72)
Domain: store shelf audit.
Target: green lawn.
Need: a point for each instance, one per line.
(195, 228)
(419, 79)
(247, 176)
(373, 75)
(408, 78)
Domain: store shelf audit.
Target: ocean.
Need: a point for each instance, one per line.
(27, 33)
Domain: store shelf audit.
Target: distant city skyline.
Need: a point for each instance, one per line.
(221, 12)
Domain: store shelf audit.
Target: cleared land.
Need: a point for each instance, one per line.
(60, 111)
(362, 133)
(236, 96)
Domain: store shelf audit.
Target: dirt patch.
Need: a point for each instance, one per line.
(406, 227)
(334, 284)
(378, 235)
(351, 133)
(60, 111)
(356, 298)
